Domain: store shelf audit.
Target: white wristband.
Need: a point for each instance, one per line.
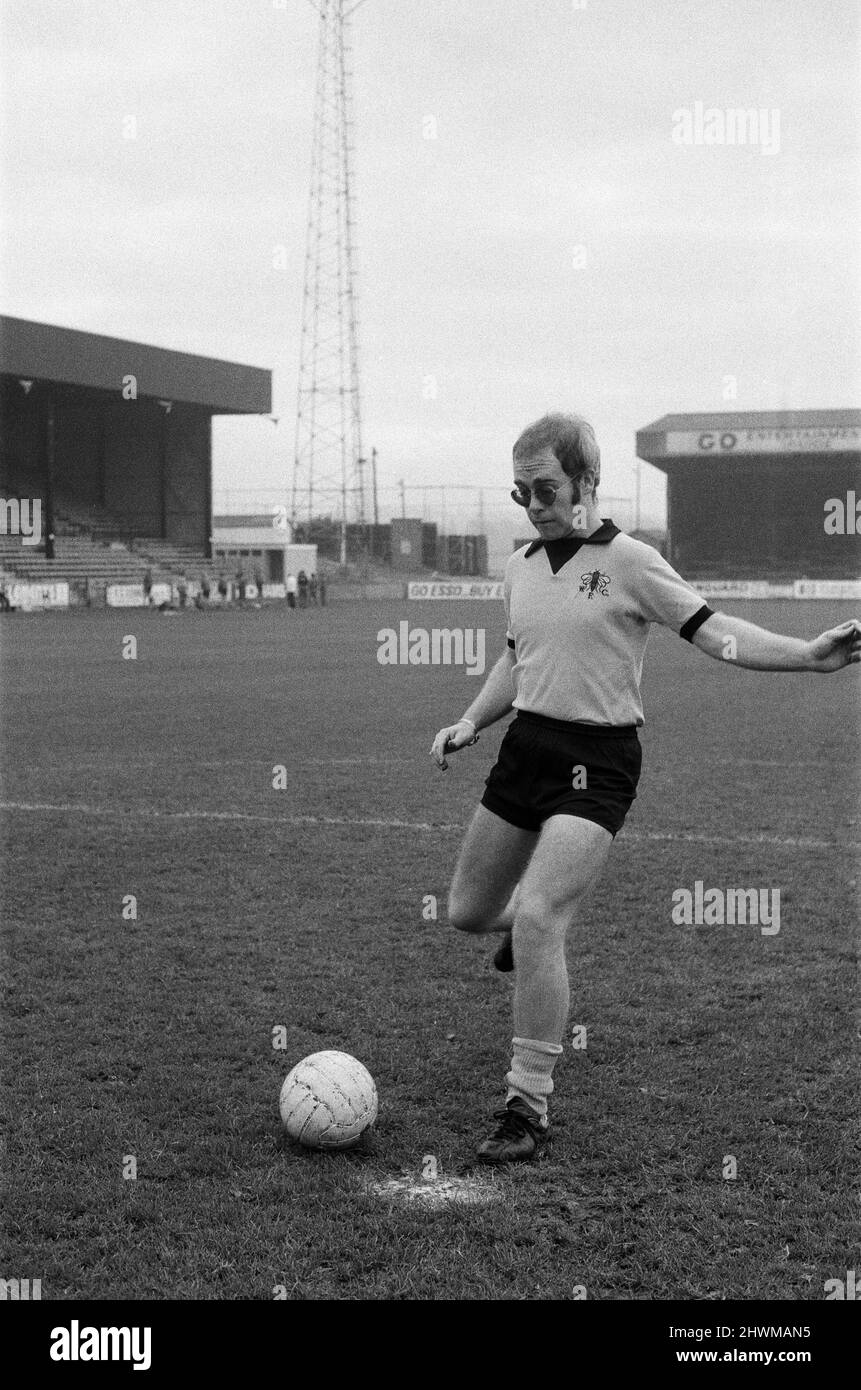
(471, 723)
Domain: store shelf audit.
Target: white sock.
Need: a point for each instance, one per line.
(531, 1074)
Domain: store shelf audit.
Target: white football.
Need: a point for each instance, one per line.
(328, 1101)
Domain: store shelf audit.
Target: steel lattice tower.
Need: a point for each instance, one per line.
(328, 452)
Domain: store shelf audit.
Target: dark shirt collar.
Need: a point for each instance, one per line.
(559, 552)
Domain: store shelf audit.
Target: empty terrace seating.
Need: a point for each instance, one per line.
(75, 559)
(179, 559)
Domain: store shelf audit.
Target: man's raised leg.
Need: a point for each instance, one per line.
(492, 860)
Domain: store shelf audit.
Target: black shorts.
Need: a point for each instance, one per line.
(548, 767)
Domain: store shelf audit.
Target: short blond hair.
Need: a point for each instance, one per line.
(572, 440)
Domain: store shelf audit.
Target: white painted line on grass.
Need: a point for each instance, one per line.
(169, 762)
(779, 841)
(155, 813)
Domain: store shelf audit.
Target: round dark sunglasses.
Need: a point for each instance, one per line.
(545, 493)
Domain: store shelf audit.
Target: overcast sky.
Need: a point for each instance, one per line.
(554, 127)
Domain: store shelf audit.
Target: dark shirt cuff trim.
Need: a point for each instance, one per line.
(691, 626)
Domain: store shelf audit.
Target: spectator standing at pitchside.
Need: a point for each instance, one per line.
(222, 588)
(291, 587)
(312, 588)
(322, 589)
(303, 589)
(147, 584)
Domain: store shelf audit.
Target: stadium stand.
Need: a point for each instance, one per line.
(747, 492)
(113, 438)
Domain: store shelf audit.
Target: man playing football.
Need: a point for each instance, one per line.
(579, 604)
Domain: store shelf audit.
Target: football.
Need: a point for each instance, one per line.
(328, 1101)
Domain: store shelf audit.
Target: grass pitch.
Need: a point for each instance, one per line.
(304, 908)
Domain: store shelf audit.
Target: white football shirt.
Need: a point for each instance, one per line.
(579, 614)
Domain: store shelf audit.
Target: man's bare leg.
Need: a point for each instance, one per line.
(569, 858)
(567, 861)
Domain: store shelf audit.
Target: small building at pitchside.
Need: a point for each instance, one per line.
(260, 542)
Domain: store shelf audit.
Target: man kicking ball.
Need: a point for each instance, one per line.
(579, 602)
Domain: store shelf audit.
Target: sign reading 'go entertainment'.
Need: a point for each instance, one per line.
(825, 440)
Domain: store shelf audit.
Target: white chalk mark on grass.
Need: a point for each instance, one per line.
(390, 823)
(440, 1192)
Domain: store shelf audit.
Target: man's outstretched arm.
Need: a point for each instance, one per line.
(745, 644)
(494, 700)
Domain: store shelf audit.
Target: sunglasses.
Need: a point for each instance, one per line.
(545, 493)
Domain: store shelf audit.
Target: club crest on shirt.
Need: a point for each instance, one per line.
(594, 583)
